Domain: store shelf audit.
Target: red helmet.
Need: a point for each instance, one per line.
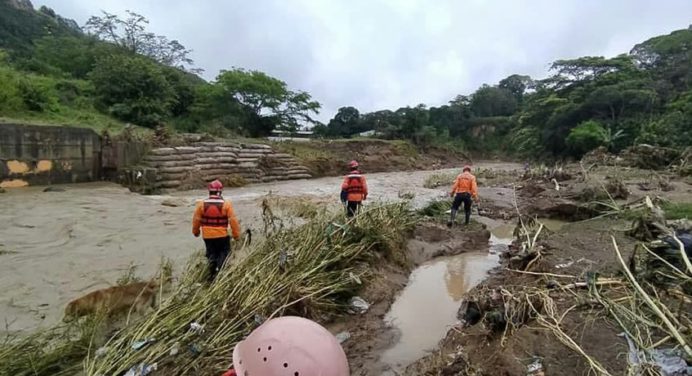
(466, 168)
(353, 164)
(215, 186)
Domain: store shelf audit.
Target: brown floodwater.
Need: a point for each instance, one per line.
(56, 246)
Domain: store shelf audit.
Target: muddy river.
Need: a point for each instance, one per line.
(55, 246)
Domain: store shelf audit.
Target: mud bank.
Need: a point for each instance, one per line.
(545, 314)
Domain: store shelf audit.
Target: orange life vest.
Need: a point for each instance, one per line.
(212, 214)
(355, 184)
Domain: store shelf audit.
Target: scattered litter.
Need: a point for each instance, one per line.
(670, 362)
(633, 353)
(101, 351)
(194, 349)
(343, 336)
(355, 278)
(141, 370)
(358, 305)
(565, 265)
(535, 368)
(140, 344)
(175, 349)
(196, 328)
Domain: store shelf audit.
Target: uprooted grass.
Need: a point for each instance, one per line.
(311, 271)
(306, 271)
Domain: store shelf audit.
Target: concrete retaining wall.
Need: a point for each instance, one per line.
(34, 155)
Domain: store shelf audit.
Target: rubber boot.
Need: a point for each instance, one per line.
(451, 218)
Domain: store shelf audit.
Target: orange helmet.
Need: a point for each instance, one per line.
(466, 168)
(215, 186)
(353, 164)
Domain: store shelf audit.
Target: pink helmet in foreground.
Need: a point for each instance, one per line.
(291, 346)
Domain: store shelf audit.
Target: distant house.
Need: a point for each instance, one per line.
(280, 135)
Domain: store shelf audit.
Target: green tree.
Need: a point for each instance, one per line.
(586, 137)
(132, 88)
(267, 99)
(345, 123)
(131, 34)
(517, 85)
(490, 101)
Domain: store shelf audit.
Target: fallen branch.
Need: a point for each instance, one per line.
(671, 328)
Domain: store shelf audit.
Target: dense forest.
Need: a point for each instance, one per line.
(112, 70)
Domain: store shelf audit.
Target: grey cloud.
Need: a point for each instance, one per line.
(376, 54)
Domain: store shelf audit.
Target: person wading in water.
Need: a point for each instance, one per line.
(354, 189)
(212, 218)
(464, 191)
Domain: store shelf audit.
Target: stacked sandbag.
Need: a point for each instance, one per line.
(189, 166)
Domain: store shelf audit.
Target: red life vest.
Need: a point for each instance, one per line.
(212, 214)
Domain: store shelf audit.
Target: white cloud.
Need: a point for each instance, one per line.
(376, 54)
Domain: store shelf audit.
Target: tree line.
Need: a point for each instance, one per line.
(117, 67)
(643, 96)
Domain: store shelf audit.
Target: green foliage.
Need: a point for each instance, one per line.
(266, 101)
(678, 210)
(586, 137)
(132, 88)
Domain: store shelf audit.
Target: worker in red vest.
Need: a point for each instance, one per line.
(354, 189)
(212, 218)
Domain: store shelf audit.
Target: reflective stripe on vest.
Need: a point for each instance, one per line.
(355, 184)
(212, 214)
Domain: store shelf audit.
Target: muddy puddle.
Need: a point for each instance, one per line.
(56, 246)
(427, 307)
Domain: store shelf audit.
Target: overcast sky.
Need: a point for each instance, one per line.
(377, 54)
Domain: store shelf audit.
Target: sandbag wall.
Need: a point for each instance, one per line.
(179, 167)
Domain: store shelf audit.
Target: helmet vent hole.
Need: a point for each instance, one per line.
(265, 359)
(269, 348)
(296, 373)
(258, 349)
(285, 365)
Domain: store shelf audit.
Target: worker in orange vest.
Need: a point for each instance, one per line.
(212, 218)
(464, 190)
(354, 189)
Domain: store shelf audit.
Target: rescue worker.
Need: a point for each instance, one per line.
(354, 189)
(212, 218)
(289, 345)
(464, 191)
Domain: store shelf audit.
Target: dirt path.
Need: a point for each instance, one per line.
(56, 246)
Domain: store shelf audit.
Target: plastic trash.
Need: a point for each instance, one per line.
(355, 278)
(195, 349)
(175, 349)
(142, 343)
(358, 305)
(196, 328)
(101, 351)
(343, 336)
(535, 368)
(670, 362)
(142, 370)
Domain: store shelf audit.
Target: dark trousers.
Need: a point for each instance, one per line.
(218, 250)
(464, 198)
(352, 208)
